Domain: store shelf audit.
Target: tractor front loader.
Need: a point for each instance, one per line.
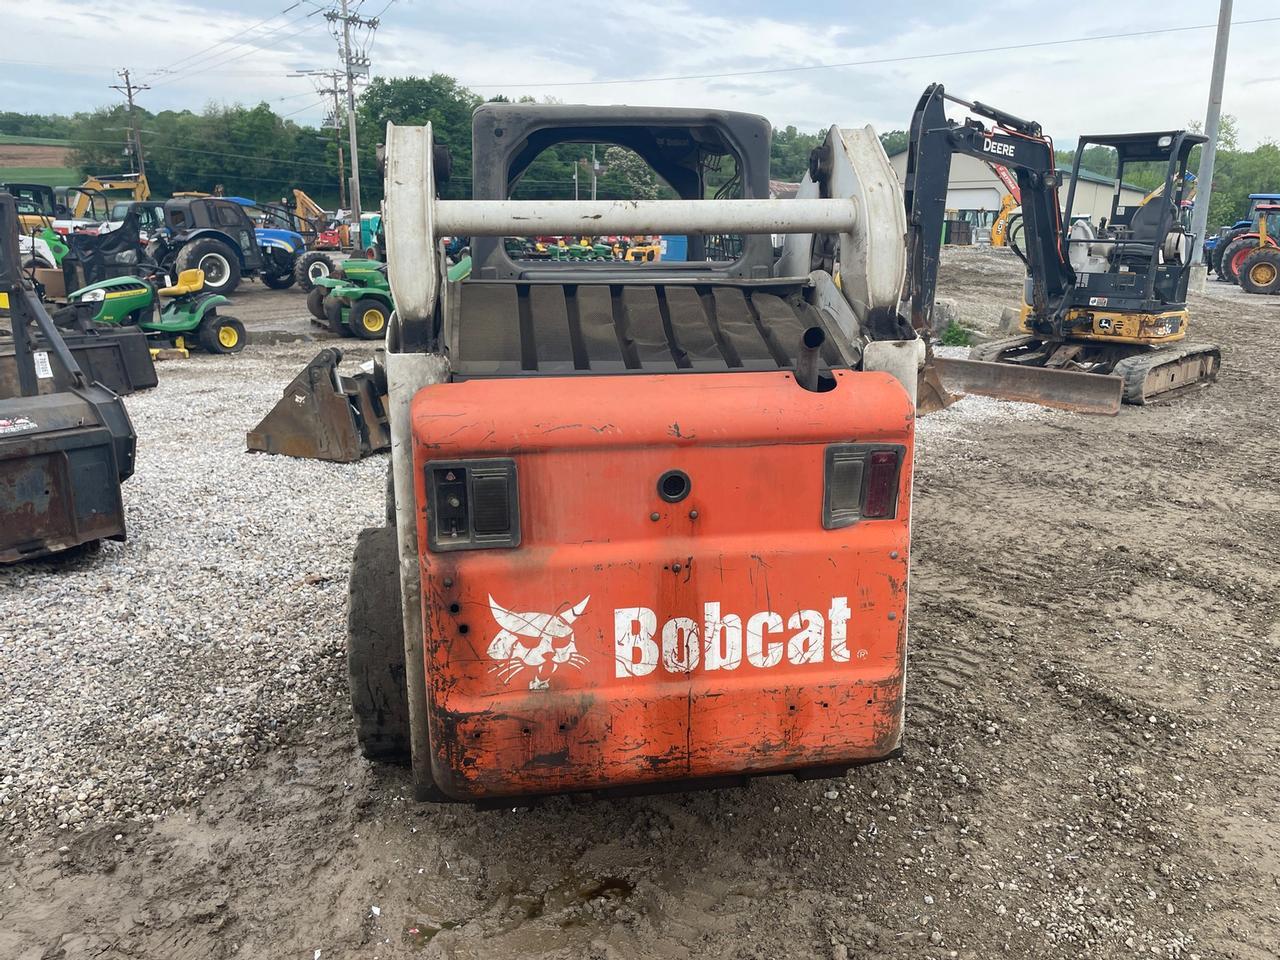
(648, 523)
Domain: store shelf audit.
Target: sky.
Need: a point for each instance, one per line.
(194, 53)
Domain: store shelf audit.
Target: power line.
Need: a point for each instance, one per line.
(199, 54)
(869, 63)
(218, 64)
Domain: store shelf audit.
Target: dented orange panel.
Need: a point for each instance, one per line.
(628, 640)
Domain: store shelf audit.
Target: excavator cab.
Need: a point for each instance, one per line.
(1140, 261)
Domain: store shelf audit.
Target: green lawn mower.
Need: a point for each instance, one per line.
(354, 300)
(188, 313)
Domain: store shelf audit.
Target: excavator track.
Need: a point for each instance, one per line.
(1168, 371)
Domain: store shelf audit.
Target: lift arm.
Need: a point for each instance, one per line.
(1013, 143)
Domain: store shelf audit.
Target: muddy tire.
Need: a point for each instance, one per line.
(1233, 257)
(333, 317)
(1221, 247)
(367, 319)
(1260, 272)
(375, 648)
(278, 281)
(221, 264)
(315, 302)
(221, 334)
(311, 266)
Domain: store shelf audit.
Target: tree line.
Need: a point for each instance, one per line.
(256, 151)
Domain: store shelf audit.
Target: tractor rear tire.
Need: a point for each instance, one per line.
(220, 263)
(1260, 272)
(309, 266)
(315, 302)
(1221, 248)
(221, 334)
(367, 318)
(278, 281)
(1233, 256)
(375, 648)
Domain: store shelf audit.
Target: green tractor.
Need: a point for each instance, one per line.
(190, 312)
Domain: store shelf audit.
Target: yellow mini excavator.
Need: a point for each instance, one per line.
(1107, 300)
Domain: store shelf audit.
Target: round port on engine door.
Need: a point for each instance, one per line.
(674, 486)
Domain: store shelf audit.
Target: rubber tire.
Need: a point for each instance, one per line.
(302, 268)
(358, 310)
(1221, 248)
(189, 259)
(333, 317)
(1234, 248)
(375, 648)
(208, 333)
(279, 281)
(315, 302)
(1269, 255)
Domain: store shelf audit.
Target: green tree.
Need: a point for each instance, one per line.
(439, 99)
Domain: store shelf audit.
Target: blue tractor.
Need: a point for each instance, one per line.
(230, 238)
(1215, 246)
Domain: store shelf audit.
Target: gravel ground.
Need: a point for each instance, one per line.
(138, 676)
(1092, 731)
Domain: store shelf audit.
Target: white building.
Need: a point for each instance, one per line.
(974, 192)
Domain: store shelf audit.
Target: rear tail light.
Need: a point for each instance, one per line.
(472, 504)
(861, 483)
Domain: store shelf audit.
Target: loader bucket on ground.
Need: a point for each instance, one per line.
(931, 394)
(1062, 389)
(324, 415)
(118, 358)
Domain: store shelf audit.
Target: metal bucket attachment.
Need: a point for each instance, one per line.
(1061, 389)
(118, 358)
(326, 416)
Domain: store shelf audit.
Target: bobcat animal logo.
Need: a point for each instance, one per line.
(540, 642)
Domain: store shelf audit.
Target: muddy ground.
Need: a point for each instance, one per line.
(1090, 770)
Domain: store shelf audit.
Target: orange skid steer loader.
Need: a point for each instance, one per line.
(648, 524)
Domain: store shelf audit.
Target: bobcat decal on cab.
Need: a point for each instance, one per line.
(538, 642)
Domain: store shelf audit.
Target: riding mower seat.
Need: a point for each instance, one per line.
(189, 282)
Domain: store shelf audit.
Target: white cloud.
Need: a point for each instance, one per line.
(1102, 86)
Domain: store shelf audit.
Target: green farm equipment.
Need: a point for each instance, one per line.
(189, 311)
(356, 300)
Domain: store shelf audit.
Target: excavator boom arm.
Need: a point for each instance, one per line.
(933, 141)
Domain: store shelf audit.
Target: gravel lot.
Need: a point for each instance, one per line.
(138, 676)
(1092, 732)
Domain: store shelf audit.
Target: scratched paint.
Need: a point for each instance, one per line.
(628, 640)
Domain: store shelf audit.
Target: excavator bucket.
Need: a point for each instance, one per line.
(1061, 389)
(324, 415)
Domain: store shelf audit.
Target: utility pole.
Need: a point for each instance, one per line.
(129, 88)
(335, 90)
(353, 66)
(1209, 152)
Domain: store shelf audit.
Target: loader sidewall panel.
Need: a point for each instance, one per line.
(375, 648)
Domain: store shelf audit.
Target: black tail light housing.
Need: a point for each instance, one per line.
(861, 483)
(472, 504)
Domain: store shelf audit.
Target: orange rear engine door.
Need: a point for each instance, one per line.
(638, 579)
